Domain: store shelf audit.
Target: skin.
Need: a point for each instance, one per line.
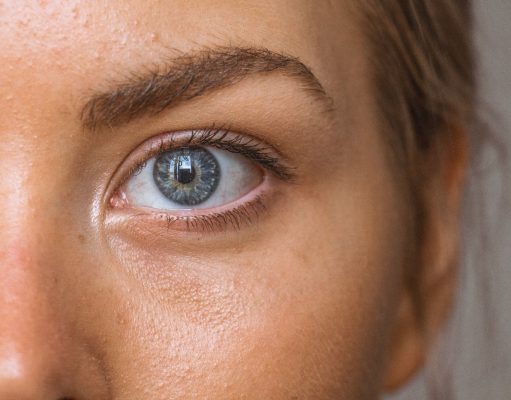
(307, 302)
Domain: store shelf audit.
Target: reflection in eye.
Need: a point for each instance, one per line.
(192, 177)
(187, 176)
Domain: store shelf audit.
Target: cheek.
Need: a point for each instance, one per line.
(302, 310)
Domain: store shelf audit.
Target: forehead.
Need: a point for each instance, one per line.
(55, 54)
(83, 37)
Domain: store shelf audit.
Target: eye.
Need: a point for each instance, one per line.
(198, 180)
(192, 177)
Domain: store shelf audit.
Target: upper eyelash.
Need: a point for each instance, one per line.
(224, 139)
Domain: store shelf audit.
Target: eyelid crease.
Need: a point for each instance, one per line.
(247, 146)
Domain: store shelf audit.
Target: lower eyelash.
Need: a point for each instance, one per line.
(244, 215)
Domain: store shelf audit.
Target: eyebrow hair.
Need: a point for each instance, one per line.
(190, 76)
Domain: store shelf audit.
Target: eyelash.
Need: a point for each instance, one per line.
(222, 138)
(245, 214)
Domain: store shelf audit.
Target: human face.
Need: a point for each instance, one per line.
(290, 292)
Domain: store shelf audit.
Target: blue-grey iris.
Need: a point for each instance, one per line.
(187, 176)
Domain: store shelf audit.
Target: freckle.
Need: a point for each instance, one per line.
(81, 238)
(76, 12)
(154, 37)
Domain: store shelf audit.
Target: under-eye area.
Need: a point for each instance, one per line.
(199, 180)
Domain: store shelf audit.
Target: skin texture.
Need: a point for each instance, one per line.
(307, 302)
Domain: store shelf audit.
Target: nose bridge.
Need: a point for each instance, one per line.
(42, 355)
(23, 228)
(32, 338)
(27, 195)
(20, 183)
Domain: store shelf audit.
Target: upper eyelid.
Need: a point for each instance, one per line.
(225, 139)
(248, 146)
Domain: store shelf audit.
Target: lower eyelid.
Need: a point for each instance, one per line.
(241, 213)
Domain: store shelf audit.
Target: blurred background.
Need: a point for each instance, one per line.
(474, 356)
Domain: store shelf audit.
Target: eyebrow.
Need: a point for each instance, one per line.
(189, 76)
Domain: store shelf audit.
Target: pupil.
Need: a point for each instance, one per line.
(184, 172)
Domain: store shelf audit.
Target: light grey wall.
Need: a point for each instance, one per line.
(477, 350)
(494, 43)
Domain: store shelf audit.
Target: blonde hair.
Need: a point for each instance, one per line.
(423, 75)
(422, 64)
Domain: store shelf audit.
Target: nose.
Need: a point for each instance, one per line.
(31, 351)
(24, 376)
(39, 357)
